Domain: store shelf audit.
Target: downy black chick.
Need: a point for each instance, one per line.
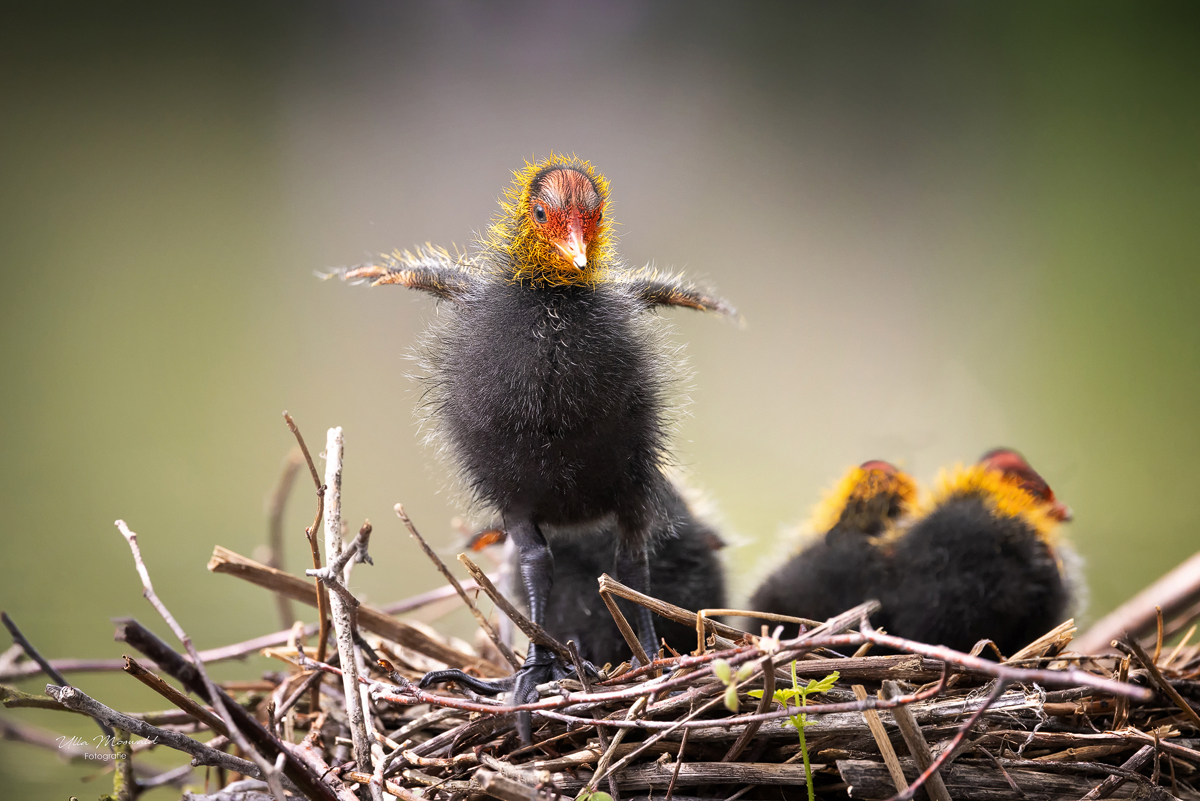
(548, 382)
(983, 562)
(846, 565)
(685, 567)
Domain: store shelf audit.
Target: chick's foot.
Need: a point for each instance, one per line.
(538, 669)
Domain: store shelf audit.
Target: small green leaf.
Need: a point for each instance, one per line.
(594, 796)
(757, 694)
(824, 685)
(723, 671)
(744, 672)
(731, 698)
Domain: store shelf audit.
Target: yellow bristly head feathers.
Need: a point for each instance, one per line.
(869, 499)
(1002, 493)
(528, 253)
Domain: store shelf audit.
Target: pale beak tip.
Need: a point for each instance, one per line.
(581, 261)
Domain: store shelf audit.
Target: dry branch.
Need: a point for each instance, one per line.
(373, 620)
(1174, 592)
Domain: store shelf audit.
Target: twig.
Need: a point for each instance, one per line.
(950, 748)
(1072, 677)
(133, 668)
(342, 609)
(1159, 637)
(311, 681)
(43, 663)
(683, 741)
(532, 630)
(504, 650)
(276, 505)
(1163, 684)
(425, 598)
(369, 618)
(269, 774)
(1016, 788)
(1173, 592)
(602, 771)
(75, 698)
(322, 601)
(1107, 787)
(671, 612)
(882, 741)
(764, 703)
(626, 630)
(917, 746)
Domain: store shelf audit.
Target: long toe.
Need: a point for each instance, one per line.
(478, 685)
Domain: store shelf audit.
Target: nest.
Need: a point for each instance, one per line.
(743, 716)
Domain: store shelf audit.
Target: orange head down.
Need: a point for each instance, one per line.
(1009, 486)
(870, 498)
(1013, 466)
(553, 226)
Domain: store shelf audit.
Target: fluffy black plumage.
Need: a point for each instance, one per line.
(548, 384)
(685, 570)
(971, 570)
(848, 564)
(553, 403)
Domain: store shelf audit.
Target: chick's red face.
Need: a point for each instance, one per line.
(567, 211)
(1013, 465)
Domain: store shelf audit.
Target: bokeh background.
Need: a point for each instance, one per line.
(947, 226)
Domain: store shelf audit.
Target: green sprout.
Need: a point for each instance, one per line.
(725, 673)
(800, 720)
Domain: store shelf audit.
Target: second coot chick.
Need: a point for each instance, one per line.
(685, 568)
(845, 566)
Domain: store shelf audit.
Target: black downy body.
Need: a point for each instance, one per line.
(964, 573)
(685, 567)
(550, 394)
(843, 568)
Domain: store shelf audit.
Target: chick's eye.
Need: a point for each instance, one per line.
(539, 213)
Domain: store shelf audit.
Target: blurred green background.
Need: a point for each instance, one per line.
(948, 227)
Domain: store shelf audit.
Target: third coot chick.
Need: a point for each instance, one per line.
(983, 562)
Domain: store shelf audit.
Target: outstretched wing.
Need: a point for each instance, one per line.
(670, 289)
(430, 269)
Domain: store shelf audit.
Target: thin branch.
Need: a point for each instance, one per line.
(343, 608)
(369, 618)
(504, 650)
(1163, 684)
(1173, 592)
(635, 645)
(917, 747)
(154, 682)
(43, 663)
(532, 630)
(276, 505)
(202, 754)
(882, 741)
(1109, 786)
(949, 750)
(1071, 677)
(310, 533)
(269, 774)
(764, 703)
